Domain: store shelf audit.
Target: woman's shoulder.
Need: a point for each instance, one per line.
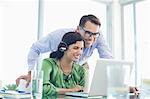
(50, 60)
(79, 70)
(78, 67)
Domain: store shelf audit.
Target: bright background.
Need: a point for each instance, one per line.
(19, 23)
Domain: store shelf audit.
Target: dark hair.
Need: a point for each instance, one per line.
(91, 18)
(68, 39)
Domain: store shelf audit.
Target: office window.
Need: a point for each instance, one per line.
(125, 2)
(143, 30)
(129, 37)
(53, 19)
(136, 37)
(19, 31)
(128, 33)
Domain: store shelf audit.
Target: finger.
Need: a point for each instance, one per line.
(23, 77)
(137, 89)
(137, 93)
(132, 90)
(27, 84)
(17, 81)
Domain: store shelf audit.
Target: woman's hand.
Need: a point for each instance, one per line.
(77, 88)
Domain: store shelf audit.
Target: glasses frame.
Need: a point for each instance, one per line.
(90, 33)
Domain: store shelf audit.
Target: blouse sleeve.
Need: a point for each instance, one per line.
(82, 73)
(48, 88)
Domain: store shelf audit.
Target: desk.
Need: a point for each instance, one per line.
(6, 96)
(140, 96)
(14, 96)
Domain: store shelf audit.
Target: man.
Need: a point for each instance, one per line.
(89, 26)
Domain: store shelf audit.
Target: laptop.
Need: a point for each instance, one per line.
(98, 84)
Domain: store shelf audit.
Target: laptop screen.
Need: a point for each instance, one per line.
(97, 85)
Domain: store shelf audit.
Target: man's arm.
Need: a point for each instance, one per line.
(103, 48)
(45, 44)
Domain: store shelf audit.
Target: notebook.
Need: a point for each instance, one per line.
(98, 84)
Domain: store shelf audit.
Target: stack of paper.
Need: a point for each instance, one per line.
(14, 94)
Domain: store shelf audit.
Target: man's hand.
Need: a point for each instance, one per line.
(134, 90)
(25, 77)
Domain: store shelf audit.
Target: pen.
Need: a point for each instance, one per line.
(20, 91)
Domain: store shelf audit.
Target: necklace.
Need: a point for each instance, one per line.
(67, 75)
(68, 72)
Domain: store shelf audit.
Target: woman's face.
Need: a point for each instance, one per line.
(74, 51)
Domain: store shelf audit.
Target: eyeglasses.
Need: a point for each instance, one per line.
(89, 34)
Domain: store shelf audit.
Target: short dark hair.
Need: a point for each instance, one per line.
(68, 39)
(91, 18)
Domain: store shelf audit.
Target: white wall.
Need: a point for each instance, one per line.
(18, 31)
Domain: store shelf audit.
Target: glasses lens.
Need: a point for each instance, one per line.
(88, 33)
(97, 34)
(92, 34)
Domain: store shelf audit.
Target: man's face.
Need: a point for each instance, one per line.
(89, 32)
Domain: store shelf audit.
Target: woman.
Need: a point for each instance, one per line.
(61, 74)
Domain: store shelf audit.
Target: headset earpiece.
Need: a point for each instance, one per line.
(63, 46)
(62, 49)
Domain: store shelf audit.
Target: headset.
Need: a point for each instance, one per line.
(63, 46)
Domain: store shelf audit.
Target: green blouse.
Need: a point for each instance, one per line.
(54, 77)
